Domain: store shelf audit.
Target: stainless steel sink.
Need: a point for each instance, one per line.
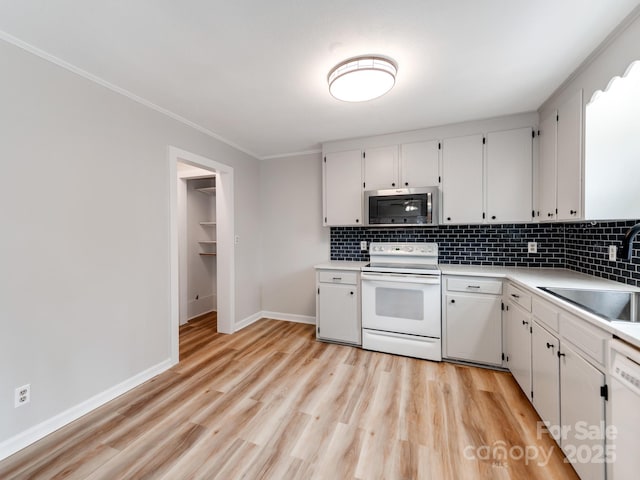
(613, 305)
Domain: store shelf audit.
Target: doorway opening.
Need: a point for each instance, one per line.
(204, 244)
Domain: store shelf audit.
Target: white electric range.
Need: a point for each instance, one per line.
(401, 300)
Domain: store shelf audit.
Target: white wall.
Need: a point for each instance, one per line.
(610, 60)
(293, 238)
(612, 150)
(84, 250)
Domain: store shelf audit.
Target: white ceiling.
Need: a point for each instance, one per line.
(254, 71)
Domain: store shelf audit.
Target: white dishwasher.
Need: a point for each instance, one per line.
(624, 371)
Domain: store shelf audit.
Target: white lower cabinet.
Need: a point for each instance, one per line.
(567, 386)
(582, 412)
(517, 327)
(545, 373)
(472, 320)
(338, 306)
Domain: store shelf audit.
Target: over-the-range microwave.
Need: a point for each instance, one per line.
(403, 206)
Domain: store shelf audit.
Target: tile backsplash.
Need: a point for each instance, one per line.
(578, 246)
(587, 250)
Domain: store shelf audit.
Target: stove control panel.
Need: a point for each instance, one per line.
(413, 249)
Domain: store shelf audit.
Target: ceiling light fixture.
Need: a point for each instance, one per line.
(362, 78)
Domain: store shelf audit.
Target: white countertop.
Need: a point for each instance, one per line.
(340, 265)
(531, 278)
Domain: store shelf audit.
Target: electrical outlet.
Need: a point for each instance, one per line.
(363, 246)
(22, 395)
(613, 253)
(533, 247)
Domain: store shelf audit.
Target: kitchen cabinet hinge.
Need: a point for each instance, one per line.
(557, 118)
(604, 392)
(325, 159)
(318, 330)
(538, 132)
(483, 215)
(325, 219)
(318, 290)
(502, 308)
(364, 184)
(439, 146)
(531, 394)
(484, 140)
(533, 213)
(530, 329)
(533, 134)
(503, 356)
(439, 179)
(556, 211)
(364, 154)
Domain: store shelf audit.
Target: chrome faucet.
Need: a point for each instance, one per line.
(627, 248)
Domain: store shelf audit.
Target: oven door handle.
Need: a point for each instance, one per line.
(401, 278)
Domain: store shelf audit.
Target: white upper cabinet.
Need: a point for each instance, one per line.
(420, 164)
(569, 158)
(462, 179)
(381, 168)
(547, 168)
(560, 167)
(342, 172)
(509, 175)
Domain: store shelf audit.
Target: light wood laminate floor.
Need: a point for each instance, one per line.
(271, 402)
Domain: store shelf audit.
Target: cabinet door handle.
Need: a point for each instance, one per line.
(351, 293)
(357, 220)
(524, 322)
(393, 184)
(515, 296)
(406, 184)
(573, 212)
(337, 278)
(561, 354)
(549, 345)
(448, 218)
(473, 286)
(453, 301)
(493, 217)
(549, 214)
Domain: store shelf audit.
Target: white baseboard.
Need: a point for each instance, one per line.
(290, 317)
(200, 314)
(245, 322)
(35, 433)
(286, 317)
(203, 305)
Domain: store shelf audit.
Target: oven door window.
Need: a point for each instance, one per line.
(400, 303)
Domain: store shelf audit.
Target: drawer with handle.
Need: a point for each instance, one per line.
(474, 285)
(519, 297)
(338, 276)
